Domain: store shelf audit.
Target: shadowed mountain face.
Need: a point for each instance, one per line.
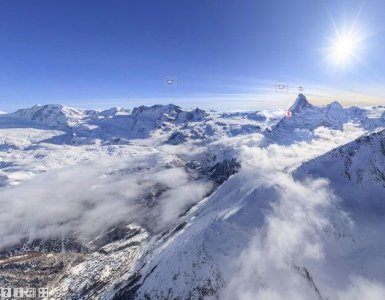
(162, 202)
(357, 171)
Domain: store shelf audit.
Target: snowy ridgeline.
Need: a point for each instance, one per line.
(162, 202)
(118, 125)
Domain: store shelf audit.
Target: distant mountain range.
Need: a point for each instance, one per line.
(119, 124)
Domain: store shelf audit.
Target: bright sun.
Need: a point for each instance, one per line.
(343, 49)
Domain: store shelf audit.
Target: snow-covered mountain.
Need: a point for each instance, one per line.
(108, 113)
(118, 125)
(357, 171)
(162, 202)
(305, 118)
(53, 115)
(141, 123)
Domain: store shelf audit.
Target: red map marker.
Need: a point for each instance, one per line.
(288, 114)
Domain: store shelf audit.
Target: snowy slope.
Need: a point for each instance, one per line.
(241, 228)
(239, 219)
(357, 171)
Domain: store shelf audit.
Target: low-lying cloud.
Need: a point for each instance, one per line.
(88, 198)
(292, 256)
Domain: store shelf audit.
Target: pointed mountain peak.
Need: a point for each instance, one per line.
(300, 104)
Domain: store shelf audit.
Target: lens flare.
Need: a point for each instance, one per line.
(344, 48)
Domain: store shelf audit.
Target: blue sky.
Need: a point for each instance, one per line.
(225, 54)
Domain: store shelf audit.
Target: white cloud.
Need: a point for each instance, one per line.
(290, 238)
(85, 200)
(361, 288)
(293, 236)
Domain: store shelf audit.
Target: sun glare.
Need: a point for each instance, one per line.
(344, 49)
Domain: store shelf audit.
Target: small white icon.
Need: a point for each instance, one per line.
(18, 292)
(42, 292)
(30, 293)
(171, 81)
(288, 114)
(5, 292)
(301, 88)
(281, 86)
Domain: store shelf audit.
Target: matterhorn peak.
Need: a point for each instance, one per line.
(300, 104)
